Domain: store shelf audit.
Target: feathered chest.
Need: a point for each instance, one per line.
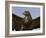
(26, 19)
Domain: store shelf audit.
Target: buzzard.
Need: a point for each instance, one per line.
(26, 23)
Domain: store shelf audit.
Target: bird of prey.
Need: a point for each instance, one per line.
(26, 23)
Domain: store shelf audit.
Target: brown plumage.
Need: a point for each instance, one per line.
(27, 20)
(19, 23)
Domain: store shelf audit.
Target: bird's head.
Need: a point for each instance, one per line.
(26, 13)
